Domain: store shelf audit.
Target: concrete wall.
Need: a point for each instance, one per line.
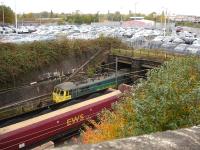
(183, 139)
(42, 88)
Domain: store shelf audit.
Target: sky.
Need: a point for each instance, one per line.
(183, 7)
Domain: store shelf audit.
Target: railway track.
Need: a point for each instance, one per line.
(25, 106)
(35, 131)
(46, 109)
(39, 102)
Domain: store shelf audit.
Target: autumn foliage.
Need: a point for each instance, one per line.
(169, 99)
(112, 124)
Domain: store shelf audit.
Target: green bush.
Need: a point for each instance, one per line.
(188, 24)
(169, 99)
(19, 59)
(91, 72)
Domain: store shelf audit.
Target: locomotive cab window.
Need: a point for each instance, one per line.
(67, 93)
(61, 93)
(70, 92)
(58, 91)
(55, 90)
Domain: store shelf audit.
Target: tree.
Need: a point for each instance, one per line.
(29, 15)
(117, 16)
(51, 14)
(150, 16)
(9, 15)
(44, 14)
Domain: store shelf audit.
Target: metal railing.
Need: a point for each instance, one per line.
(160, 55)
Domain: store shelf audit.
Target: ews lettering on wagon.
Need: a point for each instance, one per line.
(75, 119)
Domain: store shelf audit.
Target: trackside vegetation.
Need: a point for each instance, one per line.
(169, 99)
(18, 59)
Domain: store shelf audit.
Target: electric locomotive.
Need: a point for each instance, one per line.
(69, 90)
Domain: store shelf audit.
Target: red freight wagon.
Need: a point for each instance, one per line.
(31, 132)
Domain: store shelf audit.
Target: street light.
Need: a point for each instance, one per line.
(121, 14)
(135, 9)
(98, 17)
(2, 4)
(155, 16)
(165, 21)
(15, 15)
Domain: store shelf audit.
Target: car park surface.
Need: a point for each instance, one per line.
(182, 41)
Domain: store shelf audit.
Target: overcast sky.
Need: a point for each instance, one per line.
(187, 7)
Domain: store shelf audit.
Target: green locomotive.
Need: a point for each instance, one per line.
(69, 90)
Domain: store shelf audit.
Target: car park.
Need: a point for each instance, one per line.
(168, 46)
(1, 30)
(180, 48)
(198, 52)
(179, 29)
(182, 41)
(193, 49)
(178, 40)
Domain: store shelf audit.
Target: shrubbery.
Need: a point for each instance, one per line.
(169, 99)
(188, 24)
(19, 59)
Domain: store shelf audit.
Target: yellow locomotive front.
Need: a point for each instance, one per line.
(60, 95)
(61, 92)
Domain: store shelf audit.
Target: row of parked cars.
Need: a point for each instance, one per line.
(181, 42)
(4, 30)
(49, 32)
(185, 43)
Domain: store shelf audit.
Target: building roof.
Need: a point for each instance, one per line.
(137, 18)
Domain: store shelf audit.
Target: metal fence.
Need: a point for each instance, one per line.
(155, 54)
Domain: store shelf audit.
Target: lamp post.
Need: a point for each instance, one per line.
(121, 9)
(22, 19)
(155, 16)
(135, 9)
(165, 20)
(98, 17)
(15, 15)
(2, 4)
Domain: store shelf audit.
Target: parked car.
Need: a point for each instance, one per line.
(193, 49)
(180, 48)
(179, 29)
